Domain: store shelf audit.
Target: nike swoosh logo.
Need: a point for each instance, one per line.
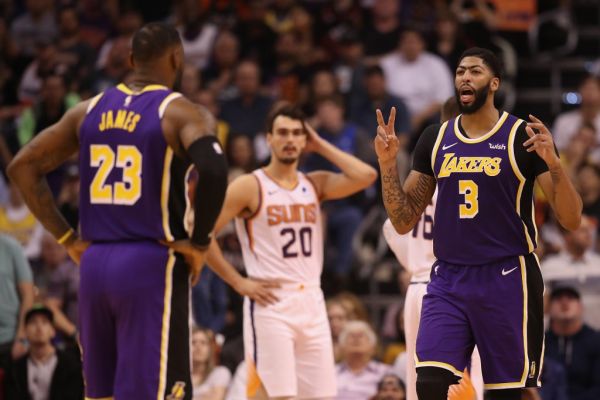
(444, 147)
(504, 273)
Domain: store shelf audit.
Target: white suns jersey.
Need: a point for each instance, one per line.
(414, 250)
(283, 240)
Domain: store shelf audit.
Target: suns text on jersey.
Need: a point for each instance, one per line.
(452, 164)
(278, 214)
(120, 119)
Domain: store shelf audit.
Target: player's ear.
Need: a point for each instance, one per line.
(495, 84)
(131, 61)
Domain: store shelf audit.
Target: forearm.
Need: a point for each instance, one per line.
(401, 209)
(351, 166)
(26, 297)
(38, 197)
(217, 262)
(567, 202)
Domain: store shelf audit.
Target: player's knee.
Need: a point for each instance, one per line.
(505, 394)
(433, 383)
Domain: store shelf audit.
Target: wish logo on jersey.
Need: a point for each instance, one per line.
(452, 164)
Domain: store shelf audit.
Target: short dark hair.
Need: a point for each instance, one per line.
(152, 40)
(288, 110)
(374, 70)
(488, 57)
(39, 309)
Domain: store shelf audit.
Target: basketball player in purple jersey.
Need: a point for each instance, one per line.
(485, 287)
(136, 144)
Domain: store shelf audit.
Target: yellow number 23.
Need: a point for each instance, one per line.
(126, 192)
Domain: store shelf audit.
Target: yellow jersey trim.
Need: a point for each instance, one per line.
(495, 129)
(165, 103)
(164, 341)
(521, 178)
(164, 197)
(149, 88)
(93, 102)
(436, 146)
(442, 365)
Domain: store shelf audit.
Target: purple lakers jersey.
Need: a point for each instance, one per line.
(132, 186)
(484, 211)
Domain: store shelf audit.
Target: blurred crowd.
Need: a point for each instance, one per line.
(340, 60)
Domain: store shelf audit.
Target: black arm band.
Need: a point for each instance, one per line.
(208, 157)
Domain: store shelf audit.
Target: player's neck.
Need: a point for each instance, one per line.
(141, 79)
(480, 122)
(285, 175)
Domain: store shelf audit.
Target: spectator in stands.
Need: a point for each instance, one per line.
(208, 381)
(237, 388)
(191, 81)
(45, 372)
(17, 221)
(349, 67)
(419, 78)
(478, 19)
(323, 84)
(279, 16)
(579, 266)
(345, 215)
(358, 374)
(36, 26)
(336, 313)
(53, 102)
(355, 309)
(197, 33)
(96, 20)
(588, 181)
(209, 301)
(16, 297)
(378, 98)
(57, 279)
(126, 25)
(240, 154)
(45, 64)
(582, 148)
(78, 56)
(247, 112)
(208, 99)
(554, 381)
(257, 39)
(390, 387)
(219, 75)
(380, 36)
(574, 344)
(448, 40)
(567, 124)
(116, 68)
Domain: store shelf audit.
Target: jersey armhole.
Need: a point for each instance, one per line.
(436, 146)
(165, 103)
(312, 183)
(93, 102)
(260, 200)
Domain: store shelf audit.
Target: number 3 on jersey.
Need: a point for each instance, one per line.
(470, 190)
(126, 192)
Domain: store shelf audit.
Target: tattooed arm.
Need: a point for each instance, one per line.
(404, 205)
(48, 150)
(558, 188)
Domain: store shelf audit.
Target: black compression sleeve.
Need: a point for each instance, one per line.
(422, 153)
(208, 157)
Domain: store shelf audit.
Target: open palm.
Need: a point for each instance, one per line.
(386, 141)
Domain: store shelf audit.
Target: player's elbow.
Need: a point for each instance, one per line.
(402, 229)
(14, 167)
(370, 175)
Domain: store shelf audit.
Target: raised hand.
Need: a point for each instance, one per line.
(386, 141)
(313, 140)
(542, 142)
